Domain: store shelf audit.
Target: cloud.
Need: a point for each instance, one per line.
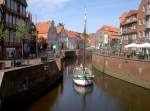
(45, 8)
(56, 2)
(48, 2)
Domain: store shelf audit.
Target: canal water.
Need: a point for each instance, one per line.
(107, 94)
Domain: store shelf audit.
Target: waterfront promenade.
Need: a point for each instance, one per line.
(132, 70)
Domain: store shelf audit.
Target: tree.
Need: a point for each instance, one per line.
(2, 32)
(21, 34)
(2, 37)
(2, 25)
(101, 39)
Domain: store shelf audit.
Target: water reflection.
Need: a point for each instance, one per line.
(83, 90)
(106, 94)
(133, 98)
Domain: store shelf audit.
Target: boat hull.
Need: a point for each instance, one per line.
(83, 82)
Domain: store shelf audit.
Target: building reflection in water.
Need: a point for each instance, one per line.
(133, 97)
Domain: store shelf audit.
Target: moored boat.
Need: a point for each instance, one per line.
(82, 75)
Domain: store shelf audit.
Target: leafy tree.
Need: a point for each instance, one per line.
(2, 32)
(21, 34)
(101, 39)
(2, 37)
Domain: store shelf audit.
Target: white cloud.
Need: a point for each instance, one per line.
(45, 8)
(46, 2)
(57, 1)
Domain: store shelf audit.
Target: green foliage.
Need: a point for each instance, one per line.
(2, 32)
(21, 31)
(117, 44)
(101, 39)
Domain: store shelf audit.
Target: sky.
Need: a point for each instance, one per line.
(71, 12)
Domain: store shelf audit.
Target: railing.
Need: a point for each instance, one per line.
(130, 21)
(126, 55)
(129, 31)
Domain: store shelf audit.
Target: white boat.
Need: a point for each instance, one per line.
(82, 80)
(82, 75)
(82, 90)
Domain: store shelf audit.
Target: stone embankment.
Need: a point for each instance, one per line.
(22, 83)
(133, 71)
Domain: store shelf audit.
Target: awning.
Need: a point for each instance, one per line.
(133, 45)
(144, 45)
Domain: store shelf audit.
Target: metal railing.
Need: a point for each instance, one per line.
(126, 55)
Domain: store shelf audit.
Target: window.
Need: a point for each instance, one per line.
(12, 3)
(21, 9)
(140, 34)
(140, 22)
(7, 18)
(134, 36)
(10, 19)
(143, 21)
(8, 3)
(15, 6)
(7, 36)
(144, 34)
(11, 36)
(14, 19)
(18, 8)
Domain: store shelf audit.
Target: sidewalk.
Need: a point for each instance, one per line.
(8, 63)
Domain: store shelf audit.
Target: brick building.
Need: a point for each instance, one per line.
(128, 25)
(135, 24)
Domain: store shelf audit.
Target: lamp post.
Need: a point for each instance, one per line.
(37, 53)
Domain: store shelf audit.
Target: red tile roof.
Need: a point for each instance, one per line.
(113, 32)
(109, 29)
(43, 27)
(132, 13)
(125, 15)
(72, 34)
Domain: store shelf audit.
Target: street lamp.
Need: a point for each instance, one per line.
(37, 44)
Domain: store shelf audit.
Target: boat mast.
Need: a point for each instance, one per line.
(85, 35)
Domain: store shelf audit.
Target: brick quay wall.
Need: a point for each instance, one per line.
(133, 71)
(23, 83)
